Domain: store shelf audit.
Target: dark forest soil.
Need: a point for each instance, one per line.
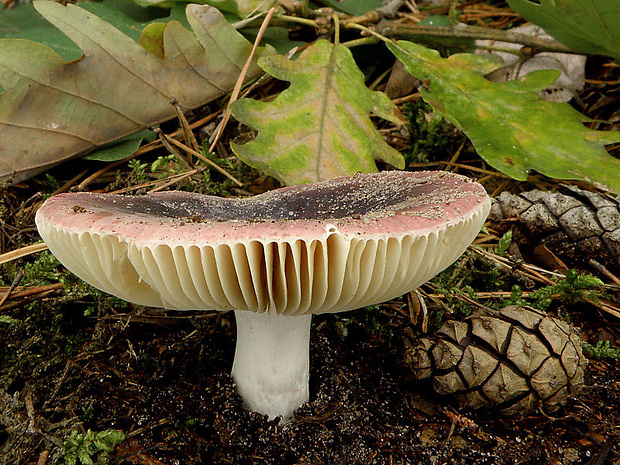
(166, 384)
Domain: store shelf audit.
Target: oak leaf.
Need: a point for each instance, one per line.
(511, 127)
(319, 127)
(52, 109)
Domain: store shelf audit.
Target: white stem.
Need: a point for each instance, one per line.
(272, 362)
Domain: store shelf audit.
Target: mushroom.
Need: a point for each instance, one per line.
(275, 258)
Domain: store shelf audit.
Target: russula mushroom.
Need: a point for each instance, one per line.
(275, 258)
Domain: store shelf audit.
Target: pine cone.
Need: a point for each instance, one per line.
(513, 361)
(574, 223)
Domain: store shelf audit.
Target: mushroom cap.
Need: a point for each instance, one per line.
(325, 247)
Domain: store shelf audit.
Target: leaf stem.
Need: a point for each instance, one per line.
(336, 29)
(295, 19)
(361, 41)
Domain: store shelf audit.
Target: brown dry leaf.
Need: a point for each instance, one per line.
(52, 109)
(572, 67)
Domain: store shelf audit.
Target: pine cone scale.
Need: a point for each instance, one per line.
(514, 360)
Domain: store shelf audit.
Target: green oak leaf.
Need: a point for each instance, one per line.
(512, 128)
(591, 26)
(319, 127)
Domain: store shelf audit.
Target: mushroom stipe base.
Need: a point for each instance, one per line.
(272, 362)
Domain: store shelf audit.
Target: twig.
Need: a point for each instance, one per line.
(30, 410)
(16, 424)
(484, 295)
(454, 165)
(407, 98)
(188, 135)
(176, 180)
(43, 456)
(22, 252)
(200, 156)
(459, 165)
(391, 29)
(163, 421)
(601, 268)
(33, 291)
(374, 16)
(285, 19)
(417, 308)
(21, 303)
(237, 89)
(59, 383)
(538, 274)
(69, 183)
(532, 271)
(14, 284)
(173, 150)
(158, 320)
(176, 177)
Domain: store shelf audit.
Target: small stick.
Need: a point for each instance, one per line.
(13, 305)
(528, 268)
(14, 284)
(406, 98)
(239, 83)
(43, 456)
(199, 155)
(22, 252)
(173, 150)
(417, 306)
(374, 16)
(139, 431)
(536, 273)
(30, 410)
(156, 182)
(392, 29)
(175, 181)
(188, 135)
(63, 376)
(158, 320)
(69, 183)
(601, 268)
(37, 290)
(455, 157)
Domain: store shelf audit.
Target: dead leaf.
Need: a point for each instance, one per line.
(52, 110)
(572, 67)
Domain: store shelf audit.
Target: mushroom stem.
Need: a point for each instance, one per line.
(272, 362)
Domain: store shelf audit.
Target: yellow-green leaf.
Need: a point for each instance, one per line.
(513, 129)
(52, 109)
(319, 127)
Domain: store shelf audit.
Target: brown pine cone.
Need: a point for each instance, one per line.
(574, 223)
(513, 361)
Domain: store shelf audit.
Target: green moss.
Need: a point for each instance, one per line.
(431, 137)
